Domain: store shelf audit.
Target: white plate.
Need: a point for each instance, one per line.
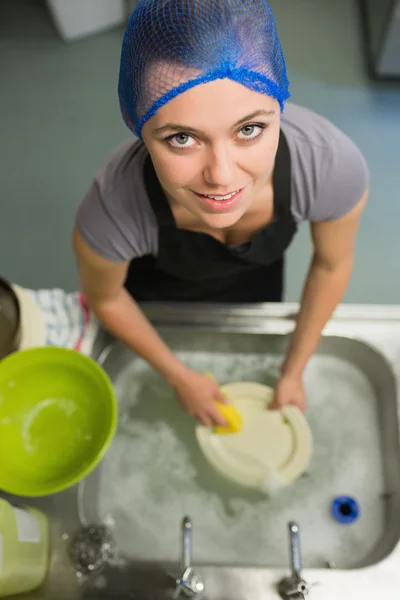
(273, 445)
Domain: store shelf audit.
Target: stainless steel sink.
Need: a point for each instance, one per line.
(238, 535)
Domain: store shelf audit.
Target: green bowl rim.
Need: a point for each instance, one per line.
(14, 357)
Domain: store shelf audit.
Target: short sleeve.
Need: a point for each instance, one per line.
(111, 229)
(342, 180)
(99, 229)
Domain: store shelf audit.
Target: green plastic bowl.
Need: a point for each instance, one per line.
(58, 415)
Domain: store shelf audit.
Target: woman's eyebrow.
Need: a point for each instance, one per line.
(188, 129)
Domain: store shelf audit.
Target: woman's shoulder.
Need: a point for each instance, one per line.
(115, 217)
(308, 126)
(329, 171)
(122, 166)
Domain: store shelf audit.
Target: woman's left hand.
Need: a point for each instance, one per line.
(289, 391)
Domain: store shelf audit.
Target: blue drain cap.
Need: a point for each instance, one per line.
(345, 510)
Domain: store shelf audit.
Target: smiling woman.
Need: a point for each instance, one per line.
(217, 169)
(203, 206)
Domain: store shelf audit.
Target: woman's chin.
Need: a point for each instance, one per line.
(222, 220)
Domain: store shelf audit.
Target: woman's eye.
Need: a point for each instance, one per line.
(251, 132)
(180, 140)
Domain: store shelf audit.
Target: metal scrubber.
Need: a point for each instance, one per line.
(91, 549)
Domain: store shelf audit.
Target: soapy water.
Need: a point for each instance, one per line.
(154, 473)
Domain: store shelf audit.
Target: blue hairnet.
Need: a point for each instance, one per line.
(170, 46)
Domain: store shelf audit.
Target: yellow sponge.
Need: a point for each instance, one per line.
(233, 418)
(230, 413)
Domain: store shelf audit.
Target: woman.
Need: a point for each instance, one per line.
(204, 205)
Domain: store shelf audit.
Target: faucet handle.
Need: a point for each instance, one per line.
(296, 589)
(190, 582)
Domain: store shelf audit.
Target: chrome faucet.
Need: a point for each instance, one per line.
(189, 583)
(294, 587)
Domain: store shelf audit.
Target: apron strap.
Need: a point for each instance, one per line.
(281, 178)
(156, 195)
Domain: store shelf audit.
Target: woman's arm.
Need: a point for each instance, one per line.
(102, 282)
(324, 288)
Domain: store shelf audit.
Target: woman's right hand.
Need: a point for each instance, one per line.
(198, 395)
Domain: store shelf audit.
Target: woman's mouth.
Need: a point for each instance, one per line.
(220, 203)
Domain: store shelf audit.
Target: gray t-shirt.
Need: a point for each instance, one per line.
(329, 177)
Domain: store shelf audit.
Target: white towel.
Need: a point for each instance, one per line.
(56, 318)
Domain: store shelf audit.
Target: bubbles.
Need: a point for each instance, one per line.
(101, 582)
(109, 521)
(273, 484)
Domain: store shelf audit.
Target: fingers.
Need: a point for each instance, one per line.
(206, 420)
(274, 406)
(220, 397)
(301, 406)
(208, 416)
(201, 402)
(216, 416)
(212, 417)
(217, 394)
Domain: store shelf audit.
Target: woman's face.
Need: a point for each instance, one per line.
(218, 139)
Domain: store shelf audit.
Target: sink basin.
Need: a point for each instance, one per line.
(154, 473)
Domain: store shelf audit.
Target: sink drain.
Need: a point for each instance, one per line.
(345, 510)
(91, 548)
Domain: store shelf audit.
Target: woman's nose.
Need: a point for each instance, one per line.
(219, 169)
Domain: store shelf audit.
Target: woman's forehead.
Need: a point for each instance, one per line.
(222, 101)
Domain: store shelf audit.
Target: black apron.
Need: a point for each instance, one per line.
(195, 267)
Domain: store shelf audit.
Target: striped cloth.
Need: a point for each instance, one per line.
(67, 319)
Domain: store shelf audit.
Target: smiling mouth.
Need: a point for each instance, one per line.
(221, 203)
(220, 197)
